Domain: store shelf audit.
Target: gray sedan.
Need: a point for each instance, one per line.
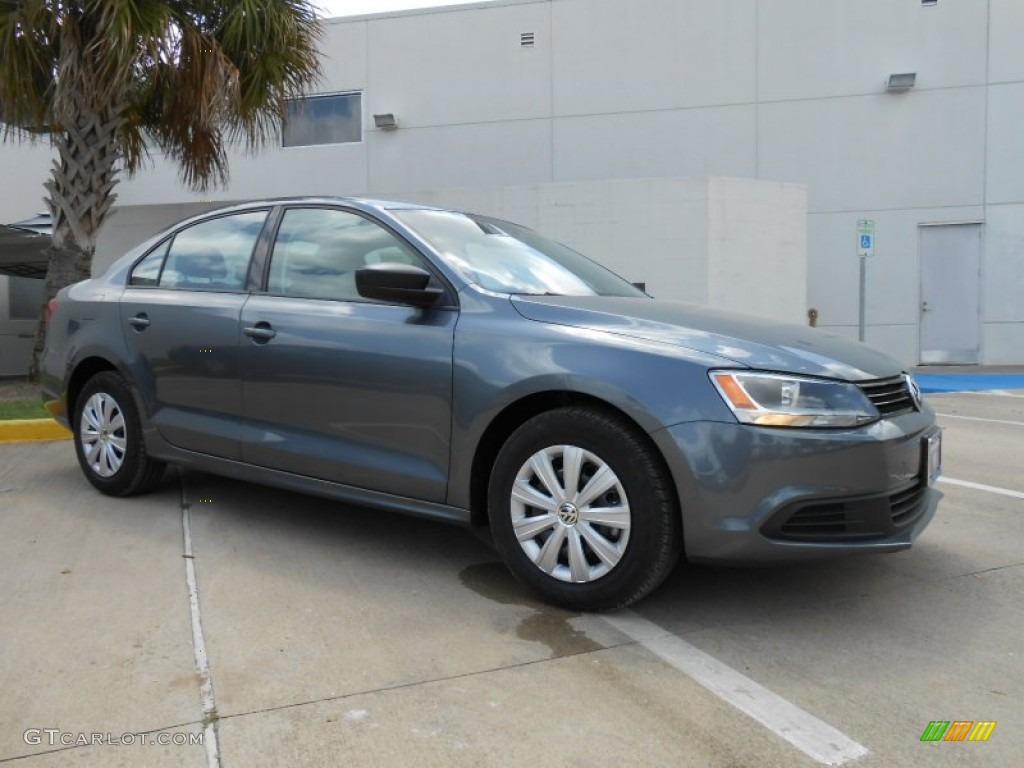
(467, 369)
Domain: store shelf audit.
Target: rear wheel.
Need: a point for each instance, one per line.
(582, 511)
(108, 438)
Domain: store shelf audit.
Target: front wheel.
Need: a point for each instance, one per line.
(582, 510)
(108, 438)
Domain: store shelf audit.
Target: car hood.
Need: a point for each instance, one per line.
(753, 342)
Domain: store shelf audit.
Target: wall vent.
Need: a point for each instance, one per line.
(527, 39)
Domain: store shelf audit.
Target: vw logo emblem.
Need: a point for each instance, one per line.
(568, 514)
(915, 390)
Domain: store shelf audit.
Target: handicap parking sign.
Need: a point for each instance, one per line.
(865, 238)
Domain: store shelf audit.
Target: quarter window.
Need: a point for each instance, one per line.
(147, 271)
(318, 251)
(334, 119)
(212, 255)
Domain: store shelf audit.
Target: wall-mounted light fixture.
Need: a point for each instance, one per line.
(386, 122)
(902, 81)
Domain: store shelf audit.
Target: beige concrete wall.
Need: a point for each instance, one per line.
(132, 224)
(736, 244)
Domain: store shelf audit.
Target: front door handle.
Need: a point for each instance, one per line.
(260, 333)
(140, 322)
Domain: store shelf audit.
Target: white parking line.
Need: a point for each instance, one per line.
(815, 738)
(207, 700)
(986, 392)
(979, 418)
(983, 487)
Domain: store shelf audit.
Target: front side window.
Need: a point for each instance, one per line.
(334, 119)
(212, 255)
(318, 251)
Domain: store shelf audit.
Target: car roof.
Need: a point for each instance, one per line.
(358, 202)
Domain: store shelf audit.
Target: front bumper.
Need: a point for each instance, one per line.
(761, 495)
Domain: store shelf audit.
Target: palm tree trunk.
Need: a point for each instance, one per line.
(81, 195)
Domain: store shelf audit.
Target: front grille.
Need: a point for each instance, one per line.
(851, 519)
(890, 396)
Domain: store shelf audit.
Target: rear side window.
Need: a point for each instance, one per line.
(318, 251)
(212, 255)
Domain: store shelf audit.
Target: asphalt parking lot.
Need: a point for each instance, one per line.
(332, 636)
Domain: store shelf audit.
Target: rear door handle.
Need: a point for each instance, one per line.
(260, 332)
(140, 322)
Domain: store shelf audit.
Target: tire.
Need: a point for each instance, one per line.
(108, 438)
(565, 555)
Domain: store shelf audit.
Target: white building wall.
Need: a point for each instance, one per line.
(777, 90)
(652, 55)
(24, 168)
(1003, 266)
(809, 49)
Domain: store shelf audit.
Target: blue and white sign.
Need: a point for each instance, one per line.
(865, 238)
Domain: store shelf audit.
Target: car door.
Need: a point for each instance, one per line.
(339, 387)
(180, 316)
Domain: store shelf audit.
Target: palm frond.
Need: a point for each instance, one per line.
(275, 47)
(28, 51)
(190, 74)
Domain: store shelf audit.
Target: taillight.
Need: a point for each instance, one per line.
(51, 307)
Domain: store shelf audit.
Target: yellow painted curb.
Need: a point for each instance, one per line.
(20, 430)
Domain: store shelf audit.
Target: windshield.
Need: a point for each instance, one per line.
(507, 258)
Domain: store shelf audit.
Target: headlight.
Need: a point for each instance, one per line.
(778, 400)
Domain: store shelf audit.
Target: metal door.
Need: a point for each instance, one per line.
(950, 296)
(180, 319)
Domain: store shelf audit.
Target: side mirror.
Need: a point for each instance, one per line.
(397, 283)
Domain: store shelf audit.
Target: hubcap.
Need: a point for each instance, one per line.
(570, 514)
(102, 434)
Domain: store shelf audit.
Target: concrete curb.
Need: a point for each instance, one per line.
(21, 430)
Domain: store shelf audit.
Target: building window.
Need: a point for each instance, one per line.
(25, 297)
(334, 119)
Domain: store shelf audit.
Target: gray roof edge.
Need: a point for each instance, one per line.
(471, 5)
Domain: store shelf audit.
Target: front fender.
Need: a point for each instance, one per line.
(655, 385)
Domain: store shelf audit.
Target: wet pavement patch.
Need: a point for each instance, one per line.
(546, 624)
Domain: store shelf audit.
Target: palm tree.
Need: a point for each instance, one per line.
(107, 78)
